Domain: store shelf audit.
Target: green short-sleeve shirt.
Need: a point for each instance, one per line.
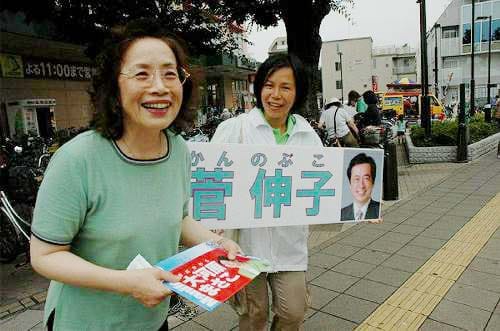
(109, 208)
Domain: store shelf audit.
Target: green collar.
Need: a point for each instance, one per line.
(282, 138)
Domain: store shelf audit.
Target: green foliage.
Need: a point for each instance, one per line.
(445, 133)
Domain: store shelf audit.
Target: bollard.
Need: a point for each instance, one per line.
(462, 129)
(391, 190)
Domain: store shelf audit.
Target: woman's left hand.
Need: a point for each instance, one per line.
(231, 247)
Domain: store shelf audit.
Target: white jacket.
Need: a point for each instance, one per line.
(284, 246)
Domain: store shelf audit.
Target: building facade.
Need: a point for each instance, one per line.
(452, 35)
(346, 65)
(392, 63)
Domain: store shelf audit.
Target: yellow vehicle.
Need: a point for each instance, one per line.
(409, 103)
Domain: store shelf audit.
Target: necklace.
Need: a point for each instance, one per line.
(138, 156)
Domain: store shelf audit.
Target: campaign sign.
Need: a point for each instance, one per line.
(247, 186)
(208, 277)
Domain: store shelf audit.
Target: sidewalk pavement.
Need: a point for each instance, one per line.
(434, 264)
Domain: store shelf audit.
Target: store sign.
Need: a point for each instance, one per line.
(15, 66)
(55, 69)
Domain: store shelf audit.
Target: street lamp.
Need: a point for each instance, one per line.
(436, 88)
(341, 78)
(425, 116)
(487, 112)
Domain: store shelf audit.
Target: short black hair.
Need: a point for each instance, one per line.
(362, 158)
(279, 61)
(105, 93)
(370, 97)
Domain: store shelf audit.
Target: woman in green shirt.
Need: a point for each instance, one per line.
(120, 190)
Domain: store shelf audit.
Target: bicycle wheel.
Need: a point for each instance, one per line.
(9, 245)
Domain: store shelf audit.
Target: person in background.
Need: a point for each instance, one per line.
(281, 90)
(401, 129)
(371, 117)
(497, 111)
(352, 99)
(338, 124)
(121, 189)
(361, 105)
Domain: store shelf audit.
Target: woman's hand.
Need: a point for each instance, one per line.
(230, 246)
(377, 221)
(145, 285)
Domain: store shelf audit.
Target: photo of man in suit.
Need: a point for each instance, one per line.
(361, 173)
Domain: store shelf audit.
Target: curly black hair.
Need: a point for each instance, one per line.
(105, 93)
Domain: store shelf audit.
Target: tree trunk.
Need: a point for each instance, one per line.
(302, 21)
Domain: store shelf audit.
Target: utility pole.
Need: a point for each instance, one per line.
(341, 78)
(472, 81)
(425, 118)
(436, 87)
(487, 111)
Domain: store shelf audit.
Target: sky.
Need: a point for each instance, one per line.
(388, 22)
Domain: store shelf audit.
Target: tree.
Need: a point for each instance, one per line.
(88, 22)
(302, 21)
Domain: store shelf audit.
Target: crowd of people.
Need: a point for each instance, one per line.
(346, 124)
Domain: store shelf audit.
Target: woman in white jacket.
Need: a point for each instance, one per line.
(281, 89)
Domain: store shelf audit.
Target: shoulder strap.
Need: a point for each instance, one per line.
(335, 121)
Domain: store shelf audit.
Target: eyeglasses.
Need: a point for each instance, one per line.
(168, 76)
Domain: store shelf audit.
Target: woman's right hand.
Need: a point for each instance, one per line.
(145, 285)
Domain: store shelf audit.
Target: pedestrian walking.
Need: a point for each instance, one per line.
(281, 89)
(119, 190)
(352, 99)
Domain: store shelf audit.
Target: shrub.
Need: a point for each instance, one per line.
(445, 133)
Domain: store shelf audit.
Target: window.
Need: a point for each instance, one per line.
(449, 32)
(338, 84)
(406, 62)
(450, 63)
(337, 66)
(387, 65)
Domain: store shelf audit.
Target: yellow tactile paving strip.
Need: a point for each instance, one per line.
(415, 300)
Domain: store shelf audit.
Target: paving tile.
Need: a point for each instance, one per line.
(473, 296)
(340, 250)
(350, 308)
(460, 315)
(23, 321)
(335, 281)
(356, 240)
(435, 210)
(432, 325)
(354, 268)
(438, 233)
(397, 237)
(493, 323)
(408, 229)
(464, 211)
(223, 318)
(174, 321)
(404, 263)
(191, 325)
(370, 256)
(480, 280)
(326, 322)
(372, 231)
(313, 272)
(417, 252)
(485, 265)
(324, 260)
(320, 296)
(427, 242)
(371, 291)
(491, 250)
(385, 246)
(388, 276)
(421, 220)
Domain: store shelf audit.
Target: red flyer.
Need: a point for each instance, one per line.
(209, 278)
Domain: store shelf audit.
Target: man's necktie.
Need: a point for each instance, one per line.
(359, 215)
